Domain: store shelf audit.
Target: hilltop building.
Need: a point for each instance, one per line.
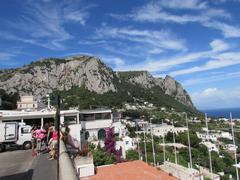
(27, 103)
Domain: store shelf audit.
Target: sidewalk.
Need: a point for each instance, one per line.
(44, 169)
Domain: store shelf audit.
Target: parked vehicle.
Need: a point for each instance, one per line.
(15, 134)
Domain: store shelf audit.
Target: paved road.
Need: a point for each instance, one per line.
(20, 165)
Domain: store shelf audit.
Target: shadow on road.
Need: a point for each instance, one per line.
(19, 176)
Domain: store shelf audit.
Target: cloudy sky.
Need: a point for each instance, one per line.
(197, 42)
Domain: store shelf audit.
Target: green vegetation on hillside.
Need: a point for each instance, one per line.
(126, 93)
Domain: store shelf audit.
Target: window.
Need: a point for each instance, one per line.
(25, 130)
(127, 142)
(98, 116)
(106, 115)
(88, 117)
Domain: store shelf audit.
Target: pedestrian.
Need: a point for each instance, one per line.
(54, 145)
(50, 131)
(33, 140)
(40, 134)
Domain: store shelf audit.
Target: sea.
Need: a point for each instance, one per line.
(223, 112)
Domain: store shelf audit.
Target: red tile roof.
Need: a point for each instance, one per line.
(132, 170)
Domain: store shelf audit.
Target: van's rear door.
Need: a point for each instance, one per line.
(10, 131)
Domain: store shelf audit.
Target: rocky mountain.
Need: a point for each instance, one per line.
(48, 75)
(170, 86)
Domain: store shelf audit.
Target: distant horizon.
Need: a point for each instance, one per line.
(218, 108)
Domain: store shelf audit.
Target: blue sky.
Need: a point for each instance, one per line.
(196, 42)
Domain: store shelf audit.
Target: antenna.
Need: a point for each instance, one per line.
(153, 149)
(189, 144)
(235, 152)
(174, 143)
(209, 152)
(164, 153)
(145, 148)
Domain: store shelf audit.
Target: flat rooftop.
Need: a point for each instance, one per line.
(133, 170)
(93, 111)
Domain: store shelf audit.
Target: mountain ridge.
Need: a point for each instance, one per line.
(62, 74)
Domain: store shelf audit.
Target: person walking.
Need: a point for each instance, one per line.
(33, 140)
(40, 134)
(54, 145)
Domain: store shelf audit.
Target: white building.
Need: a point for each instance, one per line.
(27, 103)
(206, 137)
(231, 147)
(129, 143)
(126, 144)
(38, 117)
(160, 130)
(211, 146)
(226, 135)
(94, 122)
(214, 136)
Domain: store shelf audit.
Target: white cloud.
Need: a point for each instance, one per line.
(158, 40)
(227, 30)
(114, 61)
(43, 23)
(166, 64)
(75, 14)
(187, 4)
(220, 61)
(156, 12)
(218, 76)
(6, 58)
(211, 98)
(219, 45)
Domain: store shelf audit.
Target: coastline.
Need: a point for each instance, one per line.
(223, 112)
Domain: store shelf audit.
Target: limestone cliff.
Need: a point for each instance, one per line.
(42, 77)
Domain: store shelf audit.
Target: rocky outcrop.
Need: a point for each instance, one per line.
(170, 86)
(42, 77)
(175, 89)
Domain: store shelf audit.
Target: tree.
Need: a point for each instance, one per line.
(182, 138)
(9, 101)
(132, 155)
(100, 157)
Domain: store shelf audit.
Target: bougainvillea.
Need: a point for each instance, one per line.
(110, 145)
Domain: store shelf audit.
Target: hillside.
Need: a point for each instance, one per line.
(84, 80)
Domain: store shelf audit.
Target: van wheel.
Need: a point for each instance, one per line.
(2, 147)
(27, 145)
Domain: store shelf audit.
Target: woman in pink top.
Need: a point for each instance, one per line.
(54, 145)
(39, 135)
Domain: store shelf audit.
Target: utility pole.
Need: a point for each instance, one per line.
(145, 148)
(189, 143)
(209, 151)
(164, 153)
(138, 142)
(174, 143)
(58, 133)
(153, 149)
(235, 152)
